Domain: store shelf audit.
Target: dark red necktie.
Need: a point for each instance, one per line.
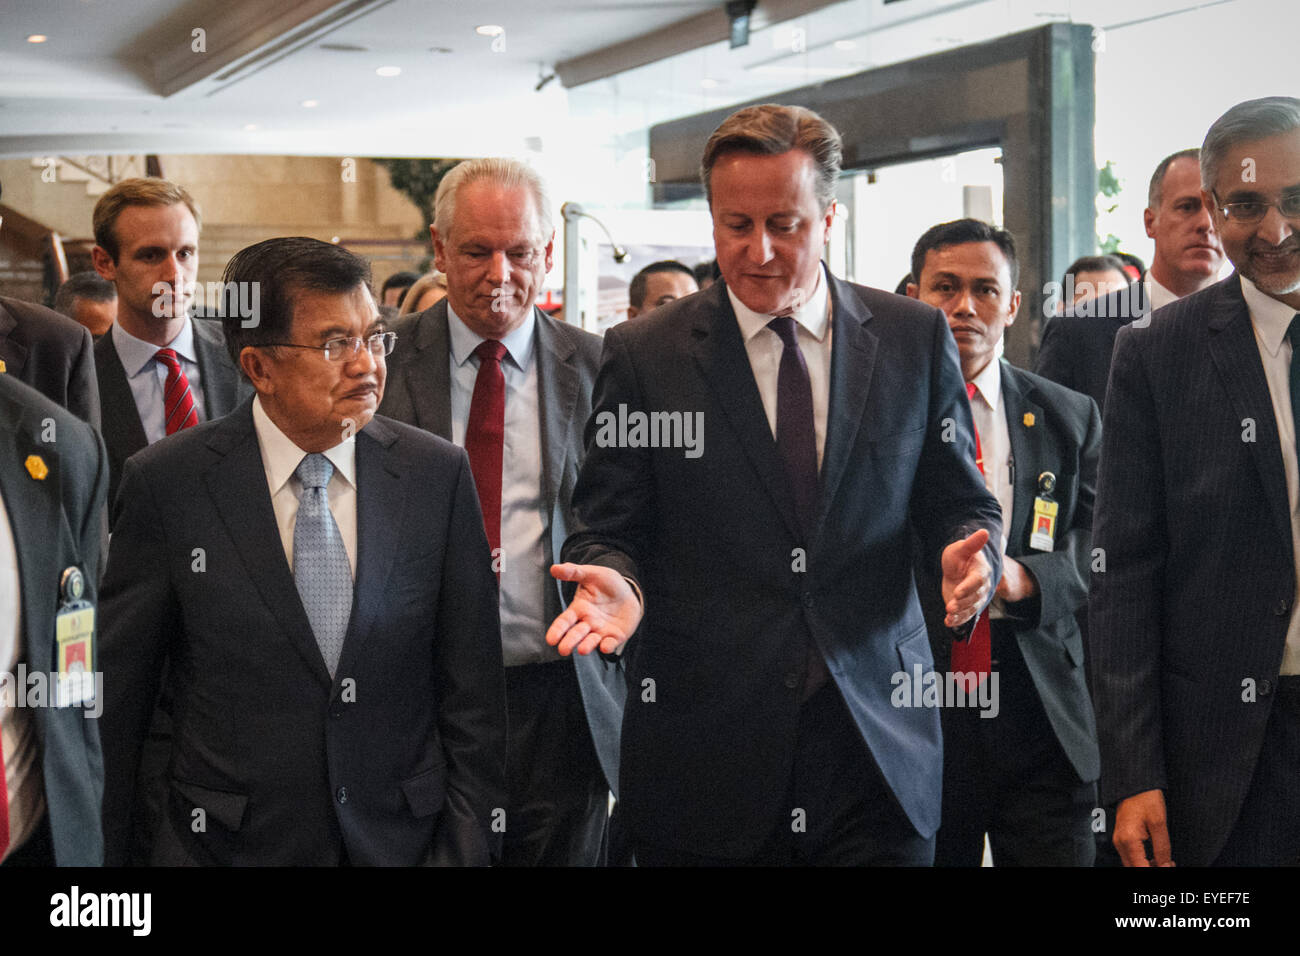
(178, 403)
(974, 655)
(485, 435)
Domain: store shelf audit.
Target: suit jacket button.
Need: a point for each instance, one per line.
(807, 599)
(1265, 687)
(342, 794)
(792, 680)
(1283, 606)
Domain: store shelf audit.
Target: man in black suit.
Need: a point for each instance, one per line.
(160, 371)
(51, 353)
(53, 478)
(315, 583)
(1194, 622)
(1022, 770)
(492, 239)
(757, 460)
(1077, 346)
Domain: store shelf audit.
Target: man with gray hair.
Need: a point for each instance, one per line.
(488, 370)
(1077, 346)
(780, 651)
(1195, 623)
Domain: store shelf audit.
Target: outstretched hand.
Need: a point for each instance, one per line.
(604, 612)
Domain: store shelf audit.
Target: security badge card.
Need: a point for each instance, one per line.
(74, 628)
(1043, 536)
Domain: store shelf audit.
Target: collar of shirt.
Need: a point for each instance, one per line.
(281, 456)
(136, 354)
(1270, 317)
(1157, 295)
(814, 316)
(518, 343)
(988, 383)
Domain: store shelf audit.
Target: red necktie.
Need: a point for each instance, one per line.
(485, 435)
(178, 403)
(4, 806)
(976, 654)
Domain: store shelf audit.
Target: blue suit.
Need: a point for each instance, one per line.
(735, 594)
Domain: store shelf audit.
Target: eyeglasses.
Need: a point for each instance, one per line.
(1248, 213)
(345, 349)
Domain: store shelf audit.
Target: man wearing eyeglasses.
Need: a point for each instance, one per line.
(1195, 628)
(314, 582)
(488, 370)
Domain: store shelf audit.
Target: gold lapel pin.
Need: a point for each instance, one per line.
(36, 467)
(1029, 419)
(3, 367)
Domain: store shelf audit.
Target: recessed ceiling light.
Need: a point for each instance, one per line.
(708, 82)
(846, 44)
(389, 70)
(334, 239)
(37, 38)
(250, 126)
(490, 30)
(310, 104)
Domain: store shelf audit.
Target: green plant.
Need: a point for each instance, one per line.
(417, 180)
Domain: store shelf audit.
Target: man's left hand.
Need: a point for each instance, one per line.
(967, 578)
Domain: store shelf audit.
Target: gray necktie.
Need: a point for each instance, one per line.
(320, 562)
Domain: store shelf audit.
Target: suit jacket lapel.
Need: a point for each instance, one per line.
(557, 386)
(380, 501)
(853, 359)
(123, 430)
(220, 381)
(1026, 452)
(34, 507)
(12, 353)
(428, 377)
(237, 484)
(1236, 355)
(719, 352)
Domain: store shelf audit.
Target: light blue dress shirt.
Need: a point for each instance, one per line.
(148, 377)
(525, 574)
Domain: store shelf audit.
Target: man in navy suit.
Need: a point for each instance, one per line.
(1194, 623)
(315, 583)
(1077, 346)
(1022, 769)
(757, 459)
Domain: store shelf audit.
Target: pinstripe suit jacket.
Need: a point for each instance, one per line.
(1191, 611)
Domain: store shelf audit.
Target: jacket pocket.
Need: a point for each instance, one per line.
(222, 806)
(426, 791)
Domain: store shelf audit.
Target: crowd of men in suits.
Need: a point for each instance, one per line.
(375, 595)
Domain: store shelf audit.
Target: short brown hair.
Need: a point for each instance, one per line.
(143, 191)
(772, 129)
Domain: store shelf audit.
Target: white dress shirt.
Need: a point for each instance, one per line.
(281, 457)
(17, 736)
(148, 377)
(1271, 319)
(1157, 295)
(988, 411)
(525, 574)
(764, 347)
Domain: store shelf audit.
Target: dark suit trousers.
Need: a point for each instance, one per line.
(38, 850)
(558, 805)
(1267, 831)
(1007, 776)
(842, 813)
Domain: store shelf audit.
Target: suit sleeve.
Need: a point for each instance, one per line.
(614, 493)
(1057, 355)
(470, 687)
(1125, 604)
(138, 612)
(1062, 574)
(83, 386)
(949, 498)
